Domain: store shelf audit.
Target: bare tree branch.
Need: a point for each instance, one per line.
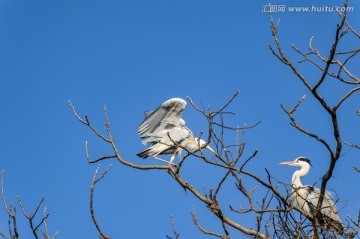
(31, 216)
(176, 234)
(12, 226)
(112, 143)
(92, 187)
(295, 124)
(100, 158)
(46, 232)
(12, 217)
(201, 229)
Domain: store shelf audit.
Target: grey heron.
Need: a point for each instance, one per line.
(307, 197)
(165, 131)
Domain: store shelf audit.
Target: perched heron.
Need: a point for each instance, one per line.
(307, 197)
(165, 131)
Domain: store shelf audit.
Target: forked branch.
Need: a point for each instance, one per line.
(94, 181)
(31, 217)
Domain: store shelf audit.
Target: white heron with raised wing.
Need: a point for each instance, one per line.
(165, 131)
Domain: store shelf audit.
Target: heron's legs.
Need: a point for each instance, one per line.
(157, 158)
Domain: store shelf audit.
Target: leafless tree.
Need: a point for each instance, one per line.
(335, 66)
(38, 225)
(274, 213)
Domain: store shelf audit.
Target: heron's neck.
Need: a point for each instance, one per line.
(299, 174)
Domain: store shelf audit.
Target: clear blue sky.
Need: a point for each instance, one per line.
(132, 56)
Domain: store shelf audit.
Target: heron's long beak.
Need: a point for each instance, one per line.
(287, 163)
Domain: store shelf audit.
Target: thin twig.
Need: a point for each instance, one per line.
(93, 183)
(201, 229)
(176, 234)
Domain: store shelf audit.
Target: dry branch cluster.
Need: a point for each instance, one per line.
(38, 225)
(274, 213)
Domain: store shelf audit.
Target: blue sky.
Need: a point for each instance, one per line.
(132, 56)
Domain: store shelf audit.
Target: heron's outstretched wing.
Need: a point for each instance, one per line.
(162, 121)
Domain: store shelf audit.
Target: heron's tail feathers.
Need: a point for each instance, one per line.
(144, 154)
(336, 226)
(153, 150)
